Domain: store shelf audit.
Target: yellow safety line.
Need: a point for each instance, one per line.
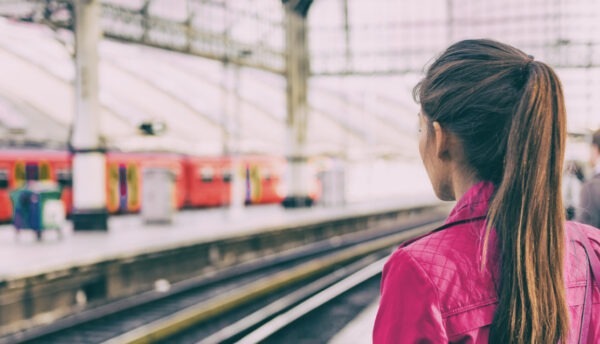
(186, 318)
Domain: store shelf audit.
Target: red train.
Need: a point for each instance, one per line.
(200, 181)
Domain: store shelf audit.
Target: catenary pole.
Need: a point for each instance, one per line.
(297, 74)
(89, 161)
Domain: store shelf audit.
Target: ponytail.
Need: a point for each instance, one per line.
(508, 112)
(528, 215)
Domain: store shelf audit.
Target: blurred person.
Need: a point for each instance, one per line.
(571, 187)
(589, 204)
(506, 267)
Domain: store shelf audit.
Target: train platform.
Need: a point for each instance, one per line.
(360, 329)
(128, 236)
(42, 281)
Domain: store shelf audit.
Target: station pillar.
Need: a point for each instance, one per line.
(234, 129)
(89, 160)
(299, 176)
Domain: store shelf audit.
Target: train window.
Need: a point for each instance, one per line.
(64, 178)
(226, 176)
(207, 174)
(3, 179)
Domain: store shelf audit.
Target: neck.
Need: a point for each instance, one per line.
(462, 183)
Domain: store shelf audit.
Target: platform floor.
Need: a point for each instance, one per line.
(359, 330)
(22, 255)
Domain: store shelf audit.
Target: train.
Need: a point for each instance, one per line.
(199, 181)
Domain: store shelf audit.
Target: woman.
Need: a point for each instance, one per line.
(506, 267)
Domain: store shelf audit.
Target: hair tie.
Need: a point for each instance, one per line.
(530, 60)
(524, 68)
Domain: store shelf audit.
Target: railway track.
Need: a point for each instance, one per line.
(237, 303)
(320, 317)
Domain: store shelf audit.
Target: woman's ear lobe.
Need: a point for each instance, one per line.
(441, 141)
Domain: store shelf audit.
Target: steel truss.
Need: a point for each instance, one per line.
(215, 29)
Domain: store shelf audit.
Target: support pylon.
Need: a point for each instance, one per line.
(89, 160)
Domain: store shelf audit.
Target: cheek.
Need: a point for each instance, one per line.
(425, 158)
(434, 172)
(422, 147)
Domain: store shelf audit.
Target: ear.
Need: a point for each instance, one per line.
(442, 139)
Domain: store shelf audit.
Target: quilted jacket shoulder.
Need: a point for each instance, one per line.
(440, 279)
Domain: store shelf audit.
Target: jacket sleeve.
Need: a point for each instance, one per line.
(409, 310)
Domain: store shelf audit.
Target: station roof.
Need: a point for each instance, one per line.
(191, 96)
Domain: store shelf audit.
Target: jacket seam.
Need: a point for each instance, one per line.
(582, 284)
(577, 284)
(464, 309)
(471, 328)
(487, 302)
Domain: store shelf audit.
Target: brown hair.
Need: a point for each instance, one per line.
(508, 112)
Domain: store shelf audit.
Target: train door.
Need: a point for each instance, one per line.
(255, 189)
(19, 175)
(247, 183)
(122, 188)
(32, 171)
(5, 204)
(133, 188)
(44, 171)
(113, 192)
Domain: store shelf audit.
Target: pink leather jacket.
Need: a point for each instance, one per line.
(434, 291)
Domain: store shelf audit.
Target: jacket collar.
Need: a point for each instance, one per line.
(474, 202)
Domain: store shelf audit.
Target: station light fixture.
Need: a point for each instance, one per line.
(152, 128)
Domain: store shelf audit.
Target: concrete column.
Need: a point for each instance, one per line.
(297, 72)
(89, 161)
(238, 174)
(225, 107)
(231, 136)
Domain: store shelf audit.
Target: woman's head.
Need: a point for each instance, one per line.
(473, 90)
(493, 112)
